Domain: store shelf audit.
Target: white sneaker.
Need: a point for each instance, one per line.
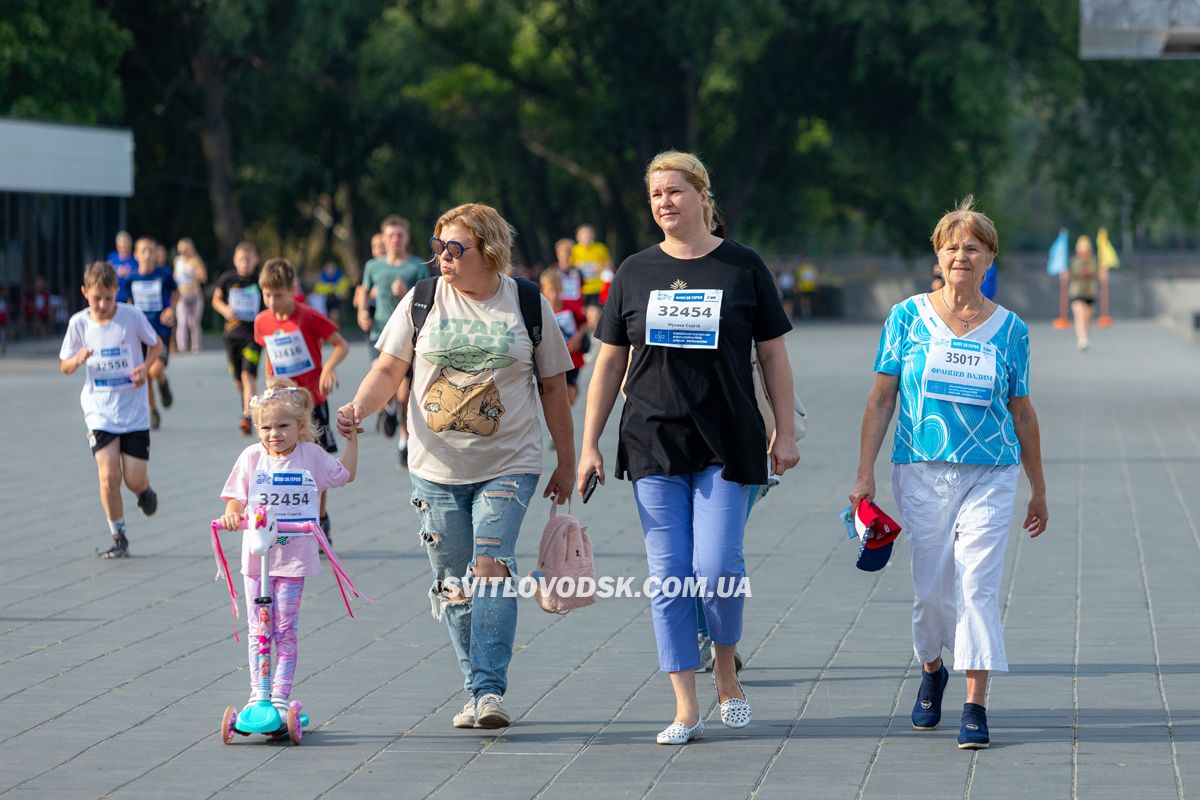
(466, 717)
(489, 713)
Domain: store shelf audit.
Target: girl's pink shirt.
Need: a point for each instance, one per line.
(299, 557)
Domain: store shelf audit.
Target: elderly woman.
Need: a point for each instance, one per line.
(691, 438)
(960, 364)
(476, 450)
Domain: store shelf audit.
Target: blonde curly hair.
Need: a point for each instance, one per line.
(293, 400)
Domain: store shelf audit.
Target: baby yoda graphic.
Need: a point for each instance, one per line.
(464, 396)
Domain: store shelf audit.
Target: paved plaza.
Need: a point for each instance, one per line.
(113, 675)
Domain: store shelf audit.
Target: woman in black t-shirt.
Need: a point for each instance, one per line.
(691, 439)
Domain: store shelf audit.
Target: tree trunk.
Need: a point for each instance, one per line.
(216, 142)
(345, 240)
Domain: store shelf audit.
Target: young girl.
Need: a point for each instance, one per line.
(288, 471)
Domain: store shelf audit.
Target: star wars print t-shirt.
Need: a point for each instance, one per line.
(473, 405)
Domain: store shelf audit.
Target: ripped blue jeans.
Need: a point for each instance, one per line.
(460, 522)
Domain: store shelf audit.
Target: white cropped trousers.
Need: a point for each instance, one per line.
(957, 518)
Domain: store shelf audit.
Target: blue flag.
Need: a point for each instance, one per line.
(1056, 264)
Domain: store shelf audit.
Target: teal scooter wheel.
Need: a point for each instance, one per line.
(228, 721)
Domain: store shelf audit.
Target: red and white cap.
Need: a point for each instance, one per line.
(878, 532)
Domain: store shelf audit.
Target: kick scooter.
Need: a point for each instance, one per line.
(259, 715)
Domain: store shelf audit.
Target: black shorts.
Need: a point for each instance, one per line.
(572, 376)
(1091, 301)
(134, 443)
(242, 355)
(163, 356)
(590, 300)
(325, 435)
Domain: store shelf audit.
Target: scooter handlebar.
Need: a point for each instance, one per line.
(283, 526)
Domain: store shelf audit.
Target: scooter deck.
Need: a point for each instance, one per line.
(262, 717)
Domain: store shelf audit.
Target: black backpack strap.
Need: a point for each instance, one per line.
(529, 297)
(423, 294)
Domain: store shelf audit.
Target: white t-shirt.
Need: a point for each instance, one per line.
(473, 406)
(110, 400)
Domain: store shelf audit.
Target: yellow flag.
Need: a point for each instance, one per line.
(1105, 251)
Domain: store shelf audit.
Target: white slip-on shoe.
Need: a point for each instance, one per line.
(678, 733)
(735, 712)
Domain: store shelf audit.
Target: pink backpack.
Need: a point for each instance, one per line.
(564, 557)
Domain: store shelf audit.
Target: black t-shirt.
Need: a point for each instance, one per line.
(688, 409)
(230, 279)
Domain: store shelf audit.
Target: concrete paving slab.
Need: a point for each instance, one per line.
(100, 660)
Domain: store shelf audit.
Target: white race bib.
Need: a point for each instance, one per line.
(566, 322)
(572, 286)
(960, 370)
(291, 495)
(318, 302)
(688, 319)
(109, 368)
(289, 354)
(244, 302)
(147, 295)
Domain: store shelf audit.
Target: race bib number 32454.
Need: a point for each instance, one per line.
(687, 319)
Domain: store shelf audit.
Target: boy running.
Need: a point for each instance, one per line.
(385, 281)
(108, 338)
(291, 334)
(238, 299)
(152, 289)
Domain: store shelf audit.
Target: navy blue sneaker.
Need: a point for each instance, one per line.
(927, 711)
(973, 735)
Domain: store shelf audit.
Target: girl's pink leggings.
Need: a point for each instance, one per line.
(285, 616)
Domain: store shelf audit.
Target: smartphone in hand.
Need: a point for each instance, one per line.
(590, 486)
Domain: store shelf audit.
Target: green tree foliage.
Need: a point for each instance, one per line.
(822, 121)
(58, 61)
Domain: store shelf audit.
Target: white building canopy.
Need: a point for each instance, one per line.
(39, 157)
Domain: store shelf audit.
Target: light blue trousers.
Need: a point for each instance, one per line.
(694, 526)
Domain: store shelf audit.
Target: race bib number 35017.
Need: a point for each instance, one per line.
(688, 319)
(961, 371)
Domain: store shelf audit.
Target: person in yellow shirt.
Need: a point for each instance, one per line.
(807, 279)
(594, 261)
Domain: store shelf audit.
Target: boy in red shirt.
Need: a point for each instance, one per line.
(571, 322)
(291, 335)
